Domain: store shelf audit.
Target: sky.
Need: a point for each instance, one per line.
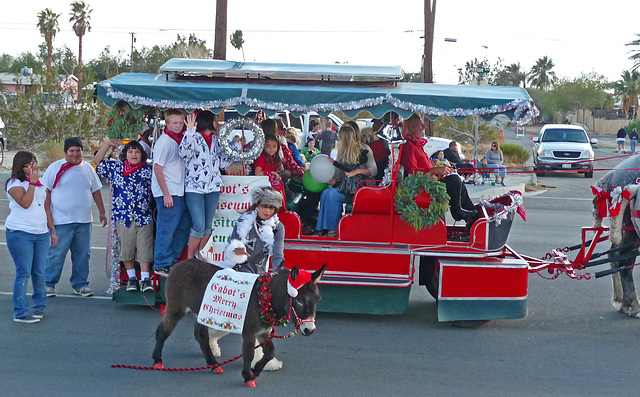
(579, 36)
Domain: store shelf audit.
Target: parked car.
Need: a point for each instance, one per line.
(564, 147)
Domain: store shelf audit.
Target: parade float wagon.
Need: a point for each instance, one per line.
(372, 263)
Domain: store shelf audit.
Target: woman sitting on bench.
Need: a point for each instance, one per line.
(351, 168)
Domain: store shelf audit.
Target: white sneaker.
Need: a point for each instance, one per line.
(51, 292)
(84, 291)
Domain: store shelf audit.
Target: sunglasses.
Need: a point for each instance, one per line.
(268, 207)
(32, 164)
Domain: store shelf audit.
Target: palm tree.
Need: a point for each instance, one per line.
(48, 26)
(628, 88)
(541, 74)
(516, 75)
(80, 16)
(636, 53)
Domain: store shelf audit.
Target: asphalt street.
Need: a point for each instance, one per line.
(571, 344)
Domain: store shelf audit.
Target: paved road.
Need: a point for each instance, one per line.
(571, 344)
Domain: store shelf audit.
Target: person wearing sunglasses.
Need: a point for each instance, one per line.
(257, 235)
(495, 159)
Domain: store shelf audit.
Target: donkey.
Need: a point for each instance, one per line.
(625, 298)
(185, 290)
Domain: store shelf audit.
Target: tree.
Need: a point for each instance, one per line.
(517, 75)
(5, 63)
(628, 88)
(635, 57)
(541, 75)
(48, 26)
(80, 15)
(220, 41)
(237, 41)
(495, 76)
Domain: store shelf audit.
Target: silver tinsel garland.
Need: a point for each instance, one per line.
(501, 211)
(225, 140)
(524, 109)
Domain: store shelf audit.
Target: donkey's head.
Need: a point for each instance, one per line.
(304, 303)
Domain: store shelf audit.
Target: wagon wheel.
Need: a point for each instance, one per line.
(430, 277)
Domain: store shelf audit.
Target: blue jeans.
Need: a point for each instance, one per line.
(633, 145)
(172, 231)
(330, 209)
(77, 238)
(29, 253)
(499, 169)
(202, 208)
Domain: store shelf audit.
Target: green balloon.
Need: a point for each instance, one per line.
(310, 184)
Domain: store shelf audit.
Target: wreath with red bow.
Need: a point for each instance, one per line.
(422, 200)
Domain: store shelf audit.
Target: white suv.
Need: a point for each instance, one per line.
(563, 147)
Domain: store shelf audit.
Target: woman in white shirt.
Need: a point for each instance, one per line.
(28, 236)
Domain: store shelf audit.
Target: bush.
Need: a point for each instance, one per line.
(48, 152)
(514, 154)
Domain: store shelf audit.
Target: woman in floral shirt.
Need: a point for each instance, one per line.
(130, 178)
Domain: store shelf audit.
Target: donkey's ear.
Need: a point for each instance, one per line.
(294, 273)
(315, 277)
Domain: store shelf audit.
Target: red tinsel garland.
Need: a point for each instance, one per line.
(267, 314)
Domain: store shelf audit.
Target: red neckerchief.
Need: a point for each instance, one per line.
(62, 170)
(415, 140)
(28, 179)
(207, 138)
(175, 136)
(129, 168)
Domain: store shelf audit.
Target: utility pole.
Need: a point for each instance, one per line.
(133, 40)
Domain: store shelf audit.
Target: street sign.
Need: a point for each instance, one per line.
(479, 69)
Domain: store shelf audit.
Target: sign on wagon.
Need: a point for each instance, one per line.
(235, 198)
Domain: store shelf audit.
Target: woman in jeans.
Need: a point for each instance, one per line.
(202, 182)
(28, 236)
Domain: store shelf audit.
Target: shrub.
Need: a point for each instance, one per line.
(514, 154)
(48, 152)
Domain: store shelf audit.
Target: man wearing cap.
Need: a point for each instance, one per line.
(72, 186)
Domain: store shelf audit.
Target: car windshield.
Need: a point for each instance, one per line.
(564, 135)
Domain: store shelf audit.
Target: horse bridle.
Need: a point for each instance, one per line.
(298, 320)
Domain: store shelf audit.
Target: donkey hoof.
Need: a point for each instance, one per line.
(217, 370)
(617, 305)
(273, 365)
(251, 383)
(158, 366)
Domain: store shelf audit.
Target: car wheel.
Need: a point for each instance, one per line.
(588, 174)
(539, 171)
(1, 152)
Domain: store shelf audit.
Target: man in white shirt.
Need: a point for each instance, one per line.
(72, 186)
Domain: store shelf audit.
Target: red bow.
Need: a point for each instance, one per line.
(62, 170)
(129, 168)
(600, 201)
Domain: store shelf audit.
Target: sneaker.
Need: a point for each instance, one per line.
(51, 292)
(38, 314)
(132, 285)
(145, 286)
(27, 319)
(162, 271)
(332, 233)
(84, 291)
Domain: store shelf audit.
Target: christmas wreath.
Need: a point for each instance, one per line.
(226, 136)
(125, 122)
(422, 200)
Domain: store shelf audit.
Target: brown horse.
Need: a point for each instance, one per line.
(185, 290)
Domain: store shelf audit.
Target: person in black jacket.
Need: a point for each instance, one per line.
(451, 154)
(633, 140)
